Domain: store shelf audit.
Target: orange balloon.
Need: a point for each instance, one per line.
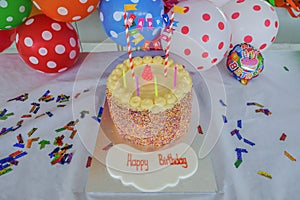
(67, 10)
(34, 11)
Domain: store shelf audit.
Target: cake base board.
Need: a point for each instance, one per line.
(99, 179)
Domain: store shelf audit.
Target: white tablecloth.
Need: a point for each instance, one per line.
(277, 89)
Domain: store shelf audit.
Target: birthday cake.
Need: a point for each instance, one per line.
(147, 106)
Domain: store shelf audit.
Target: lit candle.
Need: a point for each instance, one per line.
(124, 79)
(175, 76)
(155, 86)
(137, 85)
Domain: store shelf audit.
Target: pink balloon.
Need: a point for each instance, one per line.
(7, 37)
(202, 35)
(252, 21)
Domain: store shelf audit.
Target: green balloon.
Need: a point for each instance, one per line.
(13, 13)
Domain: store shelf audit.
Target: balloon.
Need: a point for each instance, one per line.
(112, 20)
(7, 37)
(202, 35)
(220, 3)
(252, 21)
(13, 13)
(169, 4)
(66, 10)
(35, 11)
(47, 45)
(245, 62)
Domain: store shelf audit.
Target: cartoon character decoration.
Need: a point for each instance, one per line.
(245, 62)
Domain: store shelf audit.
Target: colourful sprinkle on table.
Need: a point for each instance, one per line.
(282, 137)
(265, 174)
(238, 163)
(287, 154)
(89, 162)
(285, 68)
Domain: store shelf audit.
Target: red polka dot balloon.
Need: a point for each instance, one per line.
(7, 37)
(67, 10)
(252, 21)
(202, 35)
(47, 45)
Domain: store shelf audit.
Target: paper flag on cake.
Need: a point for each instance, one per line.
(147, 73)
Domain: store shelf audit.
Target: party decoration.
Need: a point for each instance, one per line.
(169, 4)
(292, 6)
(35, 11)
(202, 35)
(252, 21)
(145, 21)
(220, 3)
(67, 10)
(13, 13)
(7, 37)
(245, 62)
(47, 45)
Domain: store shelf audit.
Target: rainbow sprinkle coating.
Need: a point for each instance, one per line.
(146, 128)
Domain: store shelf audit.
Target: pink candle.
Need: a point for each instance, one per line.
(137, 85)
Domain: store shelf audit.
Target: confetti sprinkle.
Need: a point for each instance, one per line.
(100, 112)
(19, 145)
(89, 162)
(282, 137)
(254, 104)
(96, 118)
(200, 130)
(7, 162)
(20, 139)
(265, 111)
(29, 142)
(224, 119)
(287, 154)
(285, 68)
(31, 131)
(239, 152)
(77, 95)
(43, 143)
(60, 155)
(222, 103)
(83, 113)
(249, 142)
(107, 147)
(238, 163)
(58, 141)
(22, 97)
(237, 133)
(49, 114)
(26, 116)
(265, 174)
(239, 123)
(5, 115)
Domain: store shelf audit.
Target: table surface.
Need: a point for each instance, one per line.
(276, 88)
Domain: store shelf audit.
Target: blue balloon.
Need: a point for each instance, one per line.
(111, 14)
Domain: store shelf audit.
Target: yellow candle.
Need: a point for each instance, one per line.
(124, 79)
(155, 86)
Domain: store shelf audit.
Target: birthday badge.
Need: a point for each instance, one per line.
(245, 62)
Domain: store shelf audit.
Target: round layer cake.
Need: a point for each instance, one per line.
(150, 108)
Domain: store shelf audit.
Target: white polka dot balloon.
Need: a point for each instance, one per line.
(47, 45)
(67, 10)
(202, 35)
(220, 3)
(253, 21)
(13, 13)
